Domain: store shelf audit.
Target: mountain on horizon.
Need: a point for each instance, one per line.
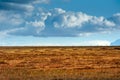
(116, 43)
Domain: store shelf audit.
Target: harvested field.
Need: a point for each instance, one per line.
(59, 63)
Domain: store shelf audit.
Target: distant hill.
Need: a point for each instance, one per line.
(116, 43)
(116, 19)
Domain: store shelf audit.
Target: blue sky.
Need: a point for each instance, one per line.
(59, 22)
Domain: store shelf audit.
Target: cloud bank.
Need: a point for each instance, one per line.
(54, 22)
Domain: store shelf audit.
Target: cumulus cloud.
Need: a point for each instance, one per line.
(57, 22)
(71, 19)
(115, 18)
(68, 19)
(8, 20)
(34, 24)
(68, 23)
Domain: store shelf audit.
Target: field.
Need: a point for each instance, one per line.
(59, 63)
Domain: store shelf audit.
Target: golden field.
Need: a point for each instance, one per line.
(59, 63)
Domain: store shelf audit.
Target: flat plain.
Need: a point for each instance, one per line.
(60, 63)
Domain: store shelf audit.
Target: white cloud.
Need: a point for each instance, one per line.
(71, 19)
(37, 25)
(99, 43)
(41, 1)
(14, 19)
(34, 24)
(57, 22)
(101, 21)
(68, 19)
(117, 14)
(8, 20)
(82, 43)
(116, 19)
(92, 43)
(25, 7)
(57, 11)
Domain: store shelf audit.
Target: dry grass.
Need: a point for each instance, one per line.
(59, 63)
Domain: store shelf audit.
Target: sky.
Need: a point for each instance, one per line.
(59, 22)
